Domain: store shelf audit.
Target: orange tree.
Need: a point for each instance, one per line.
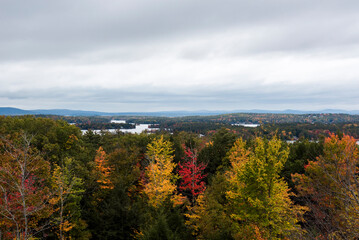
(103, 169)
(330, 188)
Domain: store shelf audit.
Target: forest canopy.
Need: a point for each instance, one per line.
(57, 182)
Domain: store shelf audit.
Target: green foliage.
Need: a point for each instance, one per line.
(68, 190)
(54, 139)
(245, 196)
(215, 151)
(117, 215)
(165, 222)
(210, 218)
(187, 139)
(259, 198)
(300, 153)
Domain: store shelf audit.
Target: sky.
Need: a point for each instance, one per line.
(166, 55)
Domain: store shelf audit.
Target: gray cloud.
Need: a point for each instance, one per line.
(62, 28)
(163, 55)
(274, 97)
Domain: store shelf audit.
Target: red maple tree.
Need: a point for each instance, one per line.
(191, 172)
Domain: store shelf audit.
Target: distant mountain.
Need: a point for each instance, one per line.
(8, 111)
(67, 112)
(14, 111)
(291, 111)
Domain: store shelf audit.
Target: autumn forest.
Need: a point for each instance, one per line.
(292, 177)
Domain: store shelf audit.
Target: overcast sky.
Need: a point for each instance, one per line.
(179, 55)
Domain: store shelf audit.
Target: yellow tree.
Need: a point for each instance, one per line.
(159, 182)
(258, 197)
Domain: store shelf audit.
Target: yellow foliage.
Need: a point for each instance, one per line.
(72, 139)
(259, 198)
(159, 178)
(67, 226)
(194, 214)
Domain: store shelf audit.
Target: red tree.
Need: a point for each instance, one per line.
(23, 194)
(192, 175)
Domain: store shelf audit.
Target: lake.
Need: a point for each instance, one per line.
(118, 121)
(253, 125)
(139, 129)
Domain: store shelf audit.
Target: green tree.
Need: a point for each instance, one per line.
(209, 218)
(260, 199)
(300, 153)
(216, 150)
(117, 215)
(164, 222)
(68, 190)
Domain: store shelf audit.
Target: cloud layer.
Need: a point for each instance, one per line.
(179, 55)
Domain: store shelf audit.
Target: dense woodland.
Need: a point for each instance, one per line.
(288, 126)
(197, 178)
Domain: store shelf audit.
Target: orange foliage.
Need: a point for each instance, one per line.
(331, 186)
(103, 169)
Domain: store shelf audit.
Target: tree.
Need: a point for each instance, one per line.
(164, 222)
(103, 170)
(163, 219)
(258, 196)
(159, 181)
(24, 196)
(209, 217)
(68, 191)
(330, 188)
(216, 150)
(300, 153)
(117, 215)
(191, 173)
